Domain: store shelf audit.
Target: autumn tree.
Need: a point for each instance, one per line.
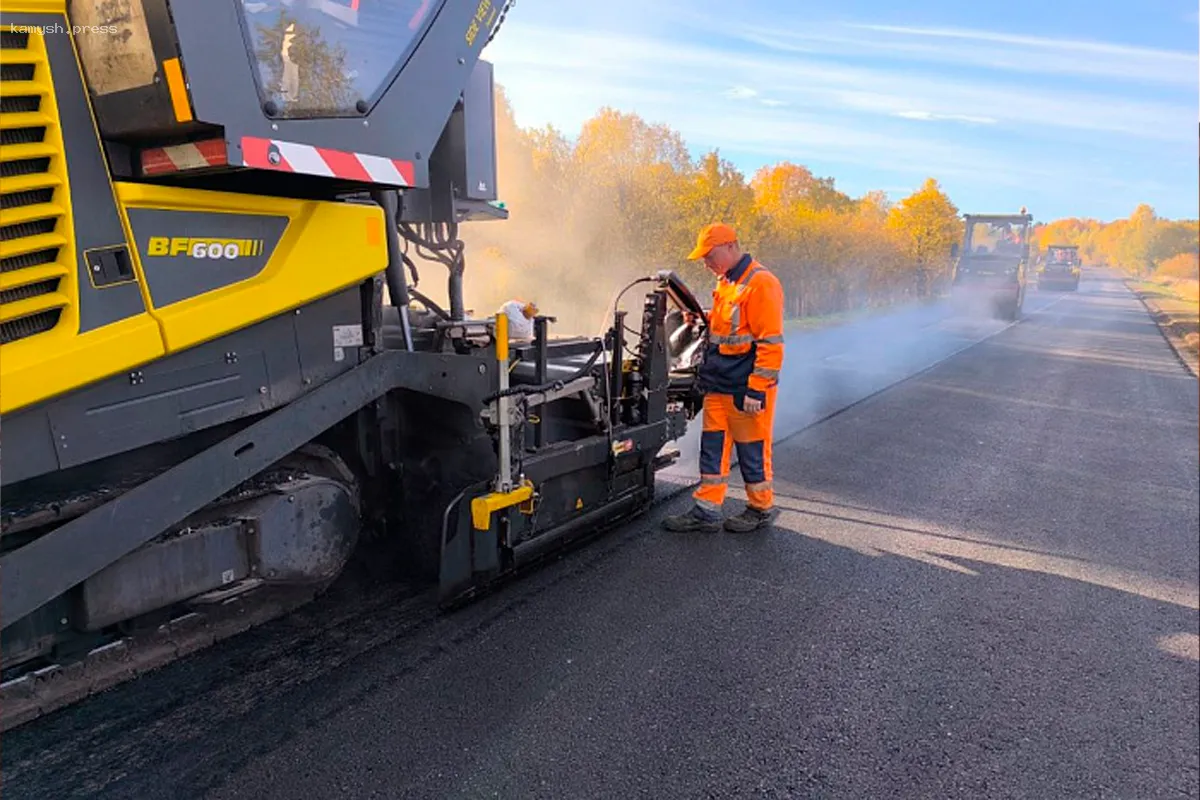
(788, 185)
(874, 205)
(714, 191)
(630, 175)
(624, 198)
(302, 72)
(542, 247)
(1139, 242)
(929, 222)
(1136, 246)
(1182, 266)
(1174, 238)
(1062, 231)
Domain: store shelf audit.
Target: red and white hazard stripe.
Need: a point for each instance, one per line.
(309, 160)
(194, 155)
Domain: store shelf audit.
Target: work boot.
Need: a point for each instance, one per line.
(751, 520)
(694, 519)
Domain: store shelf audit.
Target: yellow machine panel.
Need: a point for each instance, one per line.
(213, 262)
(147, 270)
(45, 349)
(36, 7)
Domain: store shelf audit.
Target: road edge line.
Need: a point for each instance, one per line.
(1161, 320)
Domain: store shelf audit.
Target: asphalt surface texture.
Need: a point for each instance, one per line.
(985, 582)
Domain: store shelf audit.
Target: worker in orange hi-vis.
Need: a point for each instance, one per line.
(740, 379)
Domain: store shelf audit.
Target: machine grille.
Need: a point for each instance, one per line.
(37, 279)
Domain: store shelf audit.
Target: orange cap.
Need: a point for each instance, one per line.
(717, 233)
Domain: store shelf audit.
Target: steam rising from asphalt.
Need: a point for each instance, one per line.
(555, 271)
(827, 369)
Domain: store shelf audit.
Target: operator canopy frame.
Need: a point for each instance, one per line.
(996, 234)
(368, 79)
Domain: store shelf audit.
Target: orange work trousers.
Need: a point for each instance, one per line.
(725, 427)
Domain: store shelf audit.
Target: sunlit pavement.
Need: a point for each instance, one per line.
(983, 583)
(831, 369)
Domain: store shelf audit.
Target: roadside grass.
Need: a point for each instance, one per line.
(1175, 289)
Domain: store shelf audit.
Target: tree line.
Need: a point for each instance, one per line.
(626, 198)
(1144, 243)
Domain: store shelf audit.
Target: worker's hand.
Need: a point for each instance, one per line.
(752, 405)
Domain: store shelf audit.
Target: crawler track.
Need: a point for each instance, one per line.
(63, 684)
(46, 683)
(343, 614)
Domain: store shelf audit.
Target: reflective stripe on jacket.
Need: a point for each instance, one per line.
(745, 340)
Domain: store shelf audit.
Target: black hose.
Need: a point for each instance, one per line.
(617, 303)
(430, 236)
(397, 288)
(631, 284)
(432, 306)
(439, 242)
(458, 307)
(412, 269)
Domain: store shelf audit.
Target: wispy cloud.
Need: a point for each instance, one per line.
(929, 116)
(1165, 68)
(1045, 55)
(805, 33)
(1043, 42)
(565, 88)
(741, 93)
(876, 98)
(601, 58)
(746, 93)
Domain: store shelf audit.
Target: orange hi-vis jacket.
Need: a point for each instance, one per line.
(745, 337)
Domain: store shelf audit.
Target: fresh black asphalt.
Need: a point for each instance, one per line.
(985, 583)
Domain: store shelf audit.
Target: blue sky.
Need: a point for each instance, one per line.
(1066, 107)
